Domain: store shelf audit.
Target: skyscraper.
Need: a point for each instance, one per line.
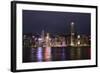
(47, 53)
(43, 35)
(72, 33)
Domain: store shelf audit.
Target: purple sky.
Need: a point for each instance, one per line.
(55, 22)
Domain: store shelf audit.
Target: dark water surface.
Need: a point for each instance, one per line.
(41, 54)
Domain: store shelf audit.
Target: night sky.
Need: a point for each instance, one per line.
(55, 22)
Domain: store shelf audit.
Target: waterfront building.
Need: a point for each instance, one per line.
(47, 51)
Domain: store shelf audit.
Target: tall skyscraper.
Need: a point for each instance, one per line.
(43, 35)
(47, 53)
(72, 33)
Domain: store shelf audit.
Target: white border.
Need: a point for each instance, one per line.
(21, 66)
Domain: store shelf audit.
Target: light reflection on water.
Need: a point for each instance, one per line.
(75, 53)
(41, 54)
(47, 54)
(63, 54)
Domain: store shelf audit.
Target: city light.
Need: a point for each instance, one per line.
(46, 42)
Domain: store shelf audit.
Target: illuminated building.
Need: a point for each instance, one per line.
(72, 34)
(48, 40)
(47, 52)
(78, 40)
(42, 36)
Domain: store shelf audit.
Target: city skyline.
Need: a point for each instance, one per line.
(45, 39)
(56, 36)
